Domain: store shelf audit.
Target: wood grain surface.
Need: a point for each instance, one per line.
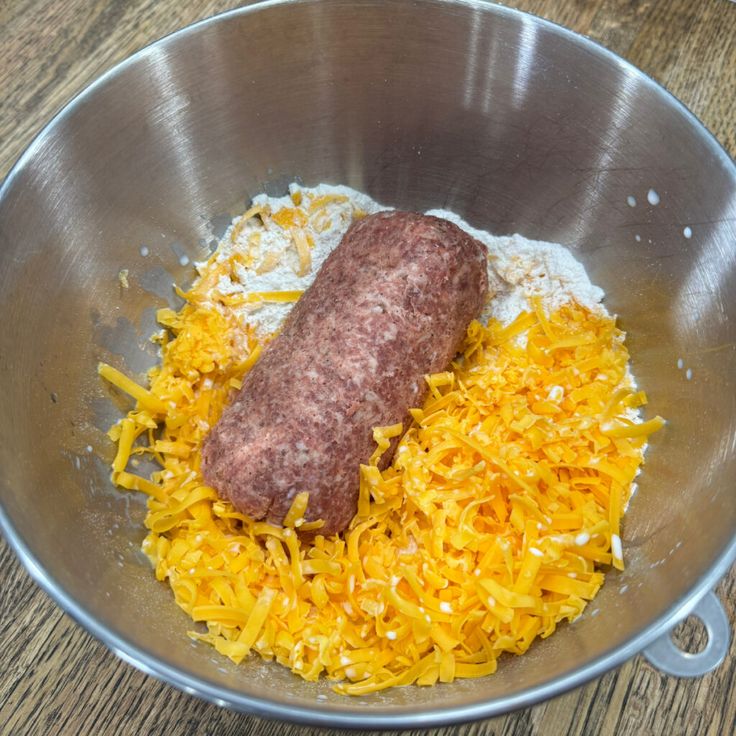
(56, 679)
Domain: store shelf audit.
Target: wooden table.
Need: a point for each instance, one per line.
(56, 679)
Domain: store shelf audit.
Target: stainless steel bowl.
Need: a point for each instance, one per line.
(516, 124)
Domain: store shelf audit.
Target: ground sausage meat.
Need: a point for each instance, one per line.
(390, 304)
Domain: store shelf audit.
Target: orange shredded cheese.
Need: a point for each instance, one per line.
(489, 528)
(275, 296)
(302, 248)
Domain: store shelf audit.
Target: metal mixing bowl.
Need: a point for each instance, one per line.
(514, 123)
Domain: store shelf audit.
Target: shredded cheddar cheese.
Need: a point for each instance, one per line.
(490, 527)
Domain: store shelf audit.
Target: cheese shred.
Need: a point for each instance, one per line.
(489, 528)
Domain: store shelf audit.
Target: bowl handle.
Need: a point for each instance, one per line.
(669, 658)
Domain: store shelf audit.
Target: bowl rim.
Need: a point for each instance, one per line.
(360, 718)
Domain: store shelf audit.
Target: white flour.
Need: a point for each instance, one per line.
(517, 268)
(276, 241)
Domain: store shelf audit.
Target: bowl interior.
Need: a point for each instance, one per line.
(509, 121)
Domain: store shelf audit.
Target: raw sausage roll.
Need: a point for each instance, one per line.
(390, 304)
